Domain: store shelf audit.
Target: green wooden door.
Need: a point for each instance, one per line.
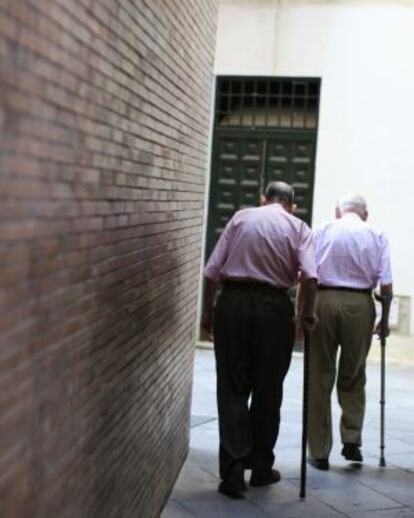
(236, 179)
(265, 129)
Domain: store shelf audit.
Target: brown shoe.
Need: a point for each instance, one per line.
(264, 477)
(322, 464)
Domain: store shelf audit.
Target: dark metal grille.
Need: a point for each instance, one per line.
(265, 102)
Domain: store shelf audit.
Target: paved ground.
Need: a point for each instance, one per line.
(344, 491)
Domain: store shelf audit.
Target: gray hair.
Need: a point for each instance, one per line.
(281, 191)
(356, 204)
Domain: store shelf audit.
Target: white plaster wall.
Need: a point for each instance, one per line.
(246, 37)
(365, 57)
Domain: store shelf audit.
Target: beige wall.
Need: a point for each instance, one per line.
(246, 38)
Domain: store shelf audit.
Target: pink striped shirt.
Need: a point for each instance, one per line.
(349, 252)
(265, 244)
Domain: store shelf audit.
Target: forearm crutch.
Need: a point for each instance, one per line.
(385, 305)
(302, 493)
(382, 403)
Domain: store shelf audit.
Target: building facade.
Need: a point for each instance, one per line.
(362, 53)
(104, 120)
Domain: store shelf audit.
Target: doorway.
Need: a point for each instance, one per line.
(265, 129)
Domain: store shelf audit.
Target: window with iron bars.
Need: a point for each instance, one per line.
(265, 102)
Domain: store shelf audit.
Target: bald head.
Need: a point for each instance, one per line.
(279, 192)
(356, 204)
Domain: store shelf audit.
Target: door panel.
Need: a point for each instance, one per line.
(277, 160)
(243, 165)
(291, 159)
(235, 182)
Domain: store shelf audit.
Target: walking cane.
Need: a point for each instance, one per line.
(302, 493)
(385, 301)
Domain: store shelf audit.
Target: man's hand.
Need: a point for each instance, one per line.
(207, 318)
(304, 323)
(308, 322)
(306, 318)
(382, 332)
(385, 298)
(299, 335)
(207, 324)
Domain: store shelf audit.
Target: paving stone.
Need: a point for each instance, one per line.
(197, 420)
(175, 509)
(346, 490)
(344, 493)
(389, 482)
(404, 461)
(397, 512)
(406, 437)
(220, 506)
(283, 501)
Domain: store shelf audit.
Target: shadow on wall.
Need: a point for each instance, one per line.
(134, 442)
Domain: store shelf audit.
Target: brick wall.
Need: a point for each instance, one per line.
(105, 109)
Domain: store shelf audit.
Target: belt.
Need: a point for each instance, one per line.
(251, 283)
(368, 291)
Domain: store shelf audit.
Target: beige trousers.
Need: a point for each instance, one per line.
(346, 319)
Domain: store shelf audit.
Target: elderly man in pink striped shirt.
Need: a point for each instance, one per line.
(260, 254)
(352, 259)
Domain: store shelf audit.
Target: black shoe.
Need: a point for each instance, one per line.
(264, 477)
(247, 464)
(232, 491)
(322, 464)
(352, 452)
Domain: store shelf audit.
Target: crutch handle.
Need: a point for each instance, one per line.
(383, 298)
(385, 301)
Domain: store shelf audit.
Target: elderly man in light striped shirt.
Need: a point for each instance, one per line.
(260, 254)
(352, 259)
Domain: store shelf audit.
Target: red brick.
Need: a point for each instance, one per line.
(104, 138)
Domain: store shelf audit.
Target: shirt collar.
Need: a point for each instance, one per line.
(352, 215)
(276, 205)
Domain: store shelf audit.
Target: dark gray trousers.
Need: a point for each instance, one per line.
(253, 339)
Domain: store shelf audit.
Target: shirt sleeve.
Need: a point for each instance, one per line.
(219, 255)
(306, 255)
(384, 274)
